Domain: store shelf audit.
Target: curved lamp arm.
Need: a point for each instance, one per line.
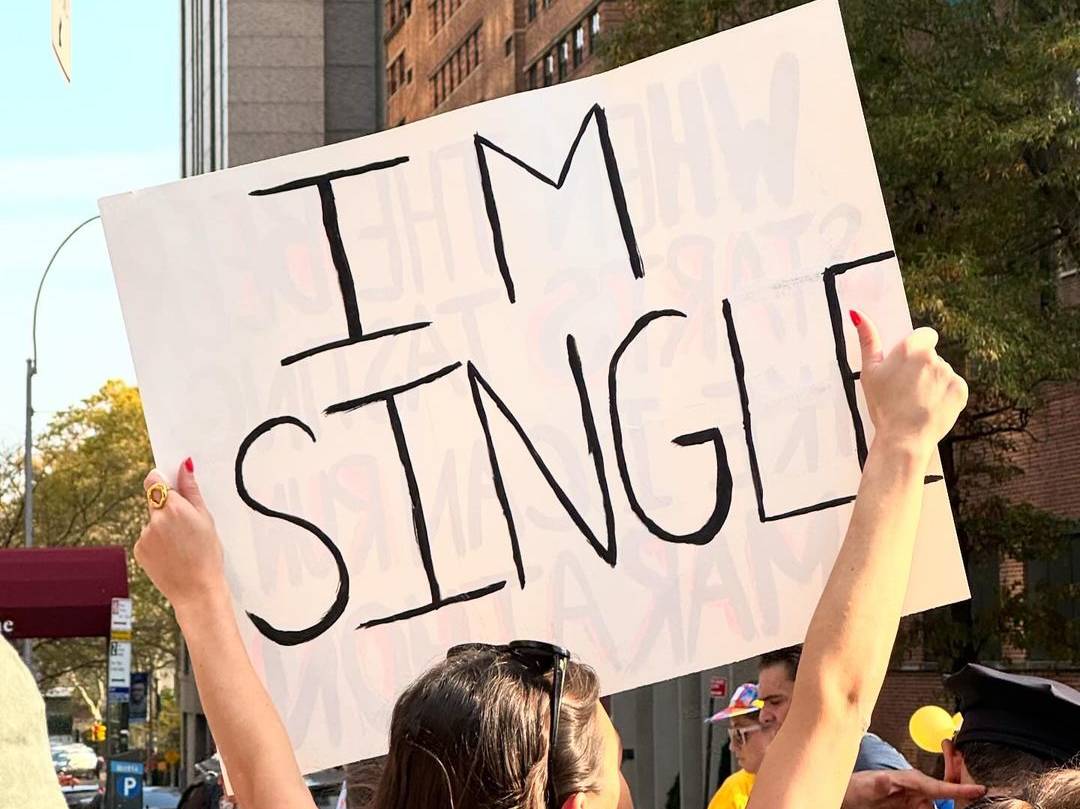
(45, 274)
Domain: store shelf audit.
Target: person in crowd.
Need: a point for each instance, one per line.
(748, 742)
(27, 777)
(776, 682)
(101, 775)
(207, 790)
(883, 778)
(1015, 729)
(521, 725)
(1057, 789)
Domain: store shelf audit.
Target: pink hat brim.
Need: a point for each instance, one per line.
(730, 713)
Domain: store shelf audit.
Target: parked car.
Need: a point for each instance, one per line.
(74, 758)
(82, 795)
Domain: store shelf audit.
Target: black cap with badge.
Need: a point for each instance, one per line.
(1033, 714)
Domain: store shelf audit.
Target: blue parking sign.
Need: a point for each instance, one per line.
(127, 782)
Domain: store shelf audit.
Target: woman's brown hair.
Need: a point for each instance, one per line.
(472, 733)
(1059, 789)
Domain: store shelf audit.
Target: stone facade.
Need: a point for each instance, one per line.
(276, 72)
(263, 78)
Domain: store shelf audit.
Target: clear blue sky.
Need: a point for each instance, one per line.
(114, 128)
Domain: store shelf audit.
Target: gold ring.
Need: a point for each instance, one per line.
(157, 494)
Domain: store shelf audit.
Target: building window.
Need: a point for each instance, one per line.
(579, 44)
(547, 3)
(460, 64)
(531, 10)
(397, 11)
(533, 76)
(396, 75)
(440, 11)
(564, 59)
(594, 29)
(1057, 573)
(549, 69)
(509, 45)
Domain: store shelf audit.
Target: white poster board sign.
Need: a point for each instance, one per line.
(571, 365)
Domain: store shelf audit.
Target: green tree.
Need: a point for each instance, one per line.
(971, 106)
(89, 467)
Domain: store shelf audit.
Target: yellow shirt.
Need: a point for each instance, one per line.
(734, 792)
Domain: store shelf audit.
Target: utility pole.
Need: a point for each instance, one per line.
(28, 456)
(28, 500)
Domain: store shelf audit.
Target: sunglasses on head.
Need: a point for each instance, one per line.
(540, 658)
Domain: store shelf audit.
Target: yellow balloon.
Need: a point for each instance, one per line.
(930, 726)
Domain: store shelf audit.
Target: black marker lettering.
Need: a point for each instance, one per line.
(292, 637)
(847, 376)
(722, 504)
(324, 184)
(836, 320)
(423, 543)
(609, 551)
(614, 180)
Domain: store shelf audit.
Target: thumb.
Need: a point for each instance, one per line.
(188, 486)
(869, 340)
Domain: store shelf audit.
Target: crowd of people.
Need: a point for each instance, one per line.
(521, 725)
(1019, 737)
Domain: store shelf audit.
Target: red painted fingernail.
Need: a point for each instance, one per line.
(189, 465)
(855, 318)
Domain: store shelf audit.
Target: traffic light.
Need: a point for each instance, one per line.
(97, 731)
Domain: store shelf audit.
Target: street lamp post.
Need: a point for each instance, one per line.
(31, 369)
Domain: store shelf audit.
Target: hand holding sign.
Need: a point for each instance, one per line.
(179, 548)
(181, 553)
(914, 396)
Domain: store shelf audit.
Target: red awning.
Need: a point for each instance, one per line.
(60, 592)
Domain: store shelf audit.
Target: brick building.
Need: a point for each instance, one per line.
(445, 54)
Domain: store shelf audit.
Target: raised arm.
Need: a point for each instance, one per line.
(180, 551)
(914, 397)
